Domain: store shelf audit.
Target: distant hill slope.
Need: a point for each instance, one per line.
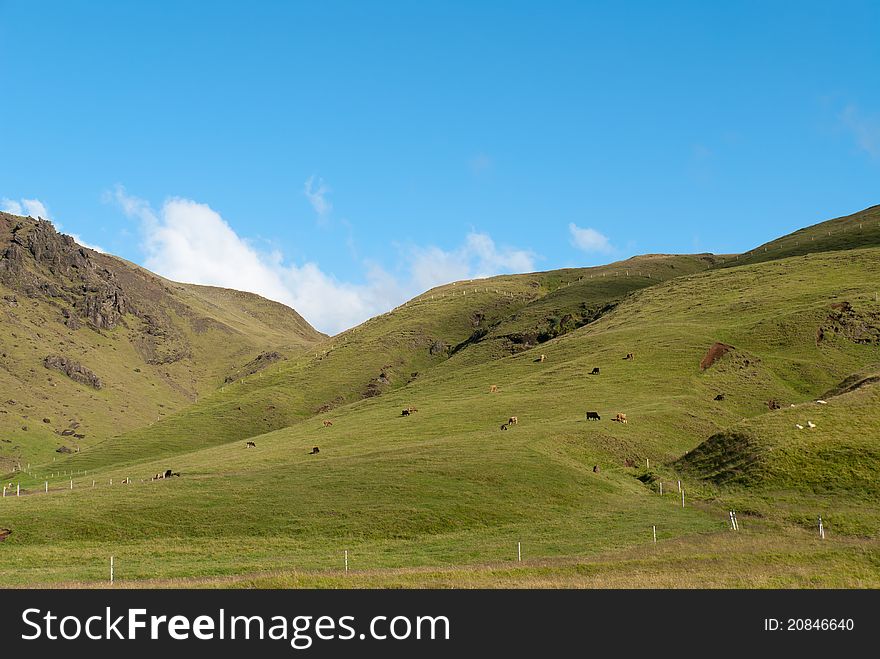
(854, 231)
(466, 322)
(91, 344)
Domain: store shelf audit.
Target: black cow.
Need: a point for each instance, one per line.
(719, 397)
(314, 451)
(595, 371)
(593, 416)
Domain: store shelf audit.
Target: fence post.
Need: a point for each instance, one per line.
(519, 552)
(346, 560)
(111, 569)
(655, 532)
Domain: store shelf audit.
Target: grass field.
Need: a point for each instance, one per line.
(443, 496)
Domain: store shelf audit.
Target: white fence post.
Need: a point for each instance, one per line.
(519, 552)
(655, 532)
(111, 569)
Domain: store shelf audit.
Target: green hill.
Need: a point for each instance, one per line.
(854, 231)
(463, 323)
(91, 344)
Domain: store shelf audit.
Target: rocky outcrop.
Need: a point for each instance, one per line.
(846, 322)
(39, 261)
(257, 364)
(74, 370)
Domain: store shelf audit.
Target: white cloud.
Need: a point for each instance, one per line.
(865, 129)
(316, 192)
(11, 206)
(478, 257)
(589, 240)
(190, 242)
(36, 208)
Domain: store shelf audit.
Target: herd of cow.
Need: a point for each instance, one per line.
(591, 416)
(493, 389)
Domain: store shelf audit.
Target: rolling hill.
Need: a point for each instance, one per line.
(442, 496)
(91, 344)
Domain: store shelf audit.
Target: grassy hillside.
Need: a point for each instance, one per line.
(423, 495)
(152, 346)
(854, 231)
(464, 323)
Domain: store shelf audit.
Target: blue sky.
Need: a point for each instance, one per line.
(342, 156)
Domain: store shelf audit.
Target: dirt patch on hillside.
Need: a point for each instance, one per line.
(716, 352)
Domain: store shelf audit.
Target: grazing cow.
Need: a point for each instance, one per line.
(405, 413)
(250, 445)
(719, 397)
(595, 371)
(595, 469)
(512, 421)
(620, 418)
(314, 451)
(327, 423)
(630, 356)
(493, 389)
(810, 424)
(593, 416)
(541, 359)
(798, 426)
(503, 426)
(773, 404)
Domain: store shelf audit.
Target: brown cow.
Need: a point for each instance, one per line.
(327, 423)
(630, 356)
(543, 357)
(512, 421)
(493, 389)
(620, 418)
